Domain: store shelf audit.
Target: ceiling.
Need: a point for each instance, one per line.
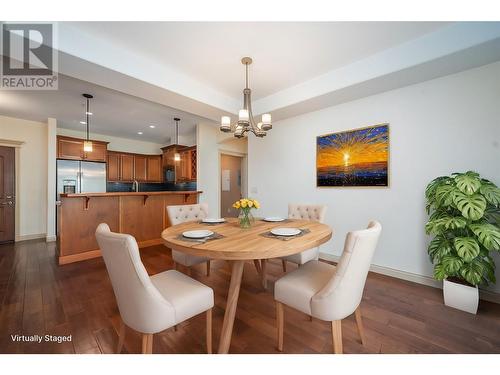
(284, 53)
(144, 73)
(114, 113)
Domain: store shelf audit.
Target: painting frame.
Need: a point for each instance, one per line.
(389, 177)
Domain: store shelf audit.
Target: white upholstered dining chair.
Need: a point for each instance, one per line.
(182, 214)
(150, 304)
(304, 212)
(327, 292)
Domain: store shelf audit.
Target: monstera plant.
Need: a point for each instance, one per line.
(464, 220)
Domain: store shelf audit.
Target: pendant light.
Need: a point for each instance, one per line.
(246, 121)
(87, 144)
(177, 156)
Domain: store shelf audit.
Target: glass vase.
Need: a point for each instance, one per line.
(246, 219)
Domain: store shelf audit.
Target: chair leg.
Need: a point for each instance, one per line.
(263, 266)
(175, 328)
(280, 322)
(310, 318)
(256, 263)
(147, 343)
(283, 264)
(359, 324)
(208, 268)
(209, 331)
(337, 336)
(121, 337)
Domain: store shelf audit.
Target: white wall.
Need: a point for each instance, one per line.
(436, 128)
(117, 143)
(31, 174)
(211, 143)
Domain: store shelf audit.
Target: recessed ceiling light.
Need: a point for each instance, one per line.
(152, 126)
(83, 123)
(89, 113)
(140, 133)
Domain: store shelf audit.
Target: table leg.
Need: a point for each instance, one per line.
(232, 302)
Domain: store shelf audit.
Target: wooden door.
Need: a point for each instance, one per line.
(230, 184)
(140, 166)
(98, 153)
(154, 170)
(7, 194)
(113, 166)
(126, 167)
(69, 148)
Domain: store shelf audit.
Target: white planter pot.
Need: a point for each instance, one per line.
(462, 297)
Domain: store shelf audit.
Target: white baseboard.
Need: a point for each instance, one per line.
(419, 279)
(52, 238)
(27, 237)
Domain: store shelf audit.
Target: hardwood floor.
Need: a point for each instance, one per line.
(39, 297)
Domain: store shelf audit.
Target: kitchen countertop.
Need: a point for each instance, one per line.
(131, 193)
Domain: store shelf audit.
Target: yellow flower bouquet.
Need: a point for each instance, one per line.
(245, 205)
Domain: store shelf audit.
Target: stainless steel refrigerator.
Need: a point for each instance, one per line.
(75, 176)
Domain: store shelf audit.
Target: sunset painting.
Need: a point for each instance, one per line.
(358, 157)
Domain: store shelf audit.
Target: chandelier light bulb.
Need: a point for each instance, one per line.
(243, 115)
(225, 123)
(266, 118)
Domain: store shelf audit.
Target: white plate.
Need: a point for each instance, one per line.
(197, 233)
(285, 231)
(213, 220)
(274, 219)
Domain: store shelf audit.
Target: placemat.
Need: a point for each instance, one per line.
(285, 238)
(215, 236)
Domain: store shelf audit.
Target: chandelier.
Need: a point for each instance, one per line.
(246, 121)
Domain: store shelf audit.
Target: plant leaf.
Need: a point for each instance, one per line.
(452, 264)
(438, 248)
(468, 183)
(444, 195)
(439, 272)
(491, 193)
(472, 272)
(467, 248)
(471, 206)
(453, 222)
(430, 190)
(488, 235)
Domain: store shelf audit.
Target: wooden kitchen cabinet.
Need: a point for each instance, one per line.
(140, 168)
(69, 148)
(72, 149)
(99, 151)
(113, 166)
(154, 168)
(185, 168)
(127, 167)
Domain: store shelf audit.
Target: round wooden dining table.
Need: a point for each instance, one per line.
(237, 245)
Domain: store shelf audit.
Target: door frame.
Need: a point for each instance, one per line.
(244, 182)
(16, 145)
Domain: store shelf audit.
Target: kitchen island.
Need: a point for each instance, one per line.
(141, 214)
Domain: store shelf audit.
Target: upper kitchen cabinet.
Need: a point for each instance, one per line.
(72, 149)
(154, 168)
(126, 167)
(183, 170)
(113, 166)
(140, 168)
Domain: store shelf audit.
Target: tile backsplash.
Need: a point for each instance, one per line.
(127, 186)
